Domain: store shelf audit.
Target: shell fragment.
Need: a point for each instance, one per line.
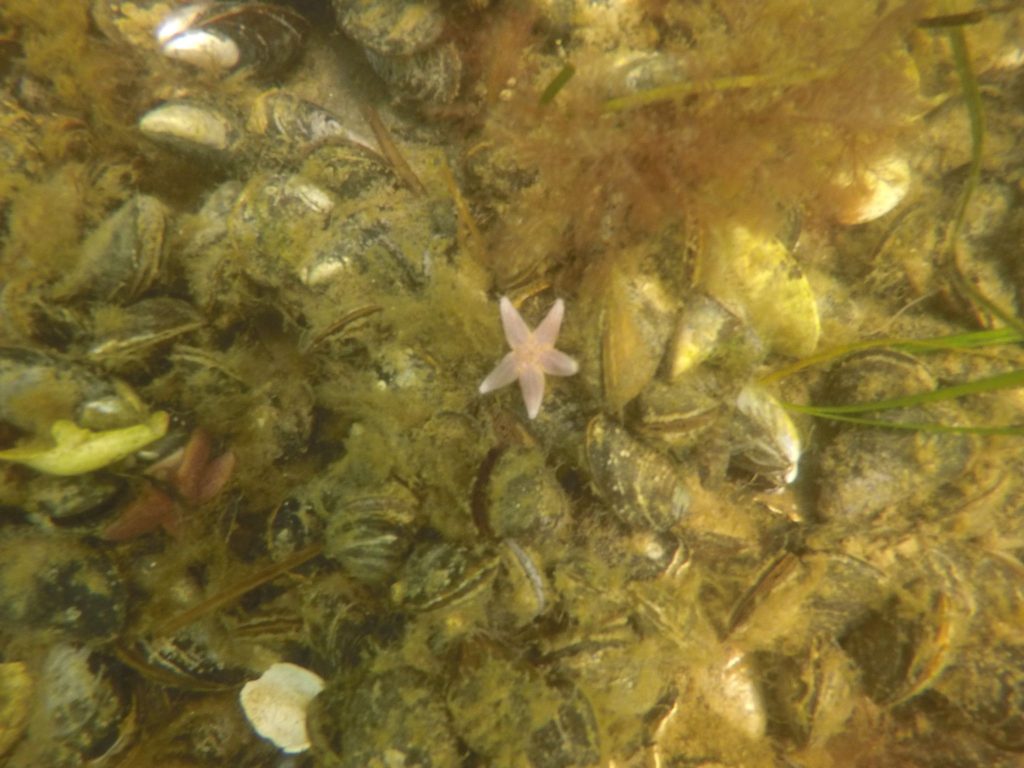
(276, 704)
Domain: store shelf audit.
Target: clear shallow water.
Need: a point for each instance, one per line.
(628, 578)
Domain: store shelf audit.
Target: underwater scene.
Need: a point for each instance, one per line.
(512, 383)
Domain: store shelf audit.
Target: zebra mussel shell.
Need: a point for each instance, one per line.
(865, 470)
(82, 711)
(282, 116)
(765, 440)
(432, 76)
(261, 37)
(404, 43)
(391, 27)
(385, 716)
(524, 498)
(37, 388)
(122, 257)
(542, 721)
(59, 587)
(192, 128)
(371, 535)
(442, 574)
(641, 484)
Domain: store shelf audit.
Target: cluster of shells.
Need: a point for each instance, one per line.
(245, 430)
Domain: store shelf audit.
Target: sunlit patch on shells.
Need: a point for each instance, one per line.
(756, 277)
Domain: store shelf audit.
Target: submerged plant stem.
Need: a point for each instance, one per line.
(235, 591)
(953, 342)
(674, 91)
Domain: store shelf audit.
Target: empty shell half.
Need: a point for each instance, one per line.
(276, 704)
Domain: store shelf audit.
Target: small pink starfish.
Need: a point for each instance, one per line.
(533, 355)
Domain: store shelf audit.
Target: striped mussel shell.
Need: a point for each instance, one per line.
(197, 657)
(443, 574)
(283, 117)
(641, 484)
(371, 534)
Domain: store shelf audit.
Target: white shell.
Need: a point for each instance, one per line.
(204, 49)
(885, 183)
(276, 705)
(178, 21)
(188, 124)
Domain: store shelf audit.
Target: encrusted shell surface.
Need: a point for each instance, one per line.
(984, 677)
(16, 689)
(432, 75)
(901, 648)
(38, 390)
(387, 238)
(347, 170)
(389, 717)
(524, 499)
(532, 721)
(58, 586)
(274, 213)
(808, 697)
(391, 27)
(130, 332)
(798, 598)
(71, 501)
(868, 469)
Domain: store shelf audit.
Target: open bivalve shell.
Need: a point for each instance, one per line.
(872, 192)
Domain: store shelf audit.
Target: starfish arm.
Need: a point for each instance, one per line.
(547, 331)
(531, 382)
(516, 329)
(504, 373)
(556, 363)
